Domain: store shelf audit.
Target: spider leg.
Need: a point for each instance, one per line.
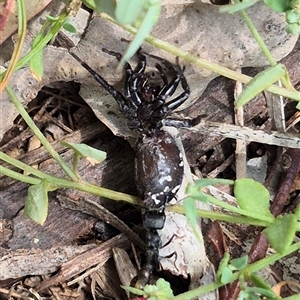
(136, 79)
(109, 88)
(175, 103)
(162, 74)
(178, 123)
(168, 88)
(133, 101)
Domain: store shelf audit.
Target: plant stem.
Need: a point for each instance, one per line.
(258, 38)
(221, 216)
(17, 176)
(202, 63)
(62, 182)
(53, 31)
(22, 25)
(39, 135)
(249, 269)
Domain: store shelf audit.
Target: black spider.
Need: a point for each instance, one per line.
(158, 162)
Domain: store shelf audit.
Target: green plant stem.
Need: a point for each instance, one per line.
(220, 216)
(22, 25)
(53, 31)
(239, 210)
(63, 183)
(38, 134)
(202, 63)
(202, 197)
(22, 166)
(258, 38)
(17, 176)
(254, 267)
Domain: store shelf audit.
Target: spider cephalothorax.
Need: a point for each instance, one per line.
(159, 161)
(144, 102)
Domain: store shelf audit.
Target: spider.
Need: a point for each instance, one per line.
(158, 162)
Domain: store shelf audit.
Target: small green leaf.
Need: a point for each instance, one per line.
(268, 293)
(36, 203)
(252, 296)
(239, 263)
(226, 275)
(102, 6)
(133, 290)
(253, 197)
(94, 156)
(278, 5)
(233, 8)
(69, 27)
(191, 215)
(165, 288)
(293, 28)
(51, 19)
(144, 24)
(258, 281)
(292, 16)
(223, 264)
(128, 11)
(281, 233)
(259, 83)
(195, 193)
(297, 212)
(36, 64)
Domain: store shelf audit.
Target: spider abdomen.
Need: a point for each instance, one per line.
(158, 169)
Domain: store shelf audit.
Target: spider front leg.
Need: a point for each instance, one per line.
(133, 77)
(109, 88)
(175, 103)
(168, 88)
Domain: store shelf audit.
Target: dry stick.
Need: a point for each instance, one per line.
(260, 245)
(241, 146)
(98, 255)
(97, 210)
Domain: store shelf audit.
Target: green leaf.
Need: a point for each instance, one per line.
(239, 263)
(102, 6)
(278, 5)
(281, 233)
(222, 265)
(268, 293)
(252, 296)
(233, 8)
(293, 28)
(259, 83)
(94, 156)
(144, 24)
(36, 203)
(226, 275)
(133, 290)
(258, 281)
(69, 27)
(195, 192)
(297, 212)
(52, 19)
(165, 288)
(253, 197)
(128, 11)
(36, 63)
(191, 215)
